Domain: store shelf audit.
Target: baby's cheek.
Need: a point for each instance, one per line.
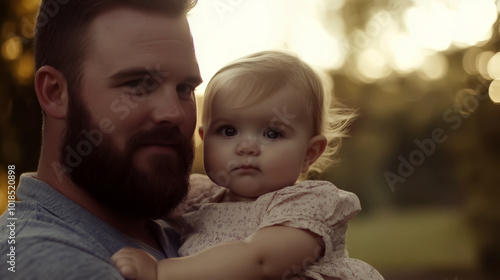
(286, 165)
(216, 161)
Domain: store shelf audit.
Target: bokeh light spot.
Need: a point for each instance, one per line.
(494, 91)
(12, 48)
(482, 61)
(494, 66)
(434, 67)
(372, 65)
(25, 68)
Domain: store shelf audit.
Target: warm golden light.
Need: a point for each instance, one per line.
(472, 22)
(12, 48)
(405, 55)
(372, 65)
(25, 68)
(31, 5)
(438, 25)
(482, 61)
(469, 60)
(226, 30)
(494, 66)
(430, 25)
(313, 44)
(494, 91)
(434, 67)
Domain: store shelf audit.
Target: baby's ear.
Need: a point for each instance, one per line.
(201, 131)
(316, 147)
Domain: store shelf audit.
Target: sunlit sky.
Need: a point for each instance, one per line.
(397, 39)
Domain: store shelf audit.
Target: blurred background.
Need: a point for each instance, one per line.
(424, 155)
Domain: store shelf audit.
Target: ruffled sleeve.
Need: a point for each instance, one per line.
(322, 208)
(314, 205)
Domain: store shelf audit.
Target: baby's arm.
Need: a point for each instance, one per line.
(269, 253)
(135, 264)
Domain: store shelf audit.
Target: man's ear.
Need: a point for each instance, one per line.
(316, 147)
(52, 91)
(201, 131)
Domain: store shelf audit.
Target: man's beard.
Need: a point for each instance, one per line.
(113, 180)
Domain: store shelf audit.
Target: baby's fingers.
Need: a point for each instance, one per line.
(123, 260)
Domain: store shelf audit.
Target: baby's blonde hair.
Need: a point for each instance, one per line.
(252, 78)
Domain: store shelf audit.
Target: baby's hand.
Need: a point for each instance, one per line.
(135, 264)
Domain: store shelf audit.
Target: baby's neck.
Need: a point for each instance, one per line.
(230, 196)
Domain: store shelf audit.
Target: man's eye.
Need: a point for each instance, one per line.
(272, 134)
(134, 83)
(228, 131)
(185, 90)
(136, 87)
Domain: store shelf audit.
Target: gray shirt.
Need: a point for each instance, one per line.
(48, 236)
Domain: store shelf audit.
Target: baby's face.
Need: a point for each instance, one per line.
(258, 148)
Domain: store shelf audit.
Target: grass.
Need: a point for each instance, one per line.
(413, 240)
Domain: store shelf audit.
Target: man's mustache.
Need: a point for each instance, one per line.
(163, 136)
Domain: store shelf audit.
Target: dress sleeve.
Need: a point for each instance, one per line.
(314, 205)
(325, 210)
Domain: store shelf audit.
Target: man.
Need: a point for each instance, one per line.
(115, 80)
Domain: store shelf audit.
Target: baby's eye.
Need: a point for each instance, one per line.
(272, 133)
(228, 131)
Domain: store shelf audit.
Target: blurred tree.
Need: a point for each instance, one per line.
(20, 114)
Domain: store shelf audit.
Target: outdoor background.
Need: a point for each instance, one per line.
(423, 157)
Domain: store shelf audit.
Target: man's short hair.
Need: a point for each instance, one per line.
(61, 35)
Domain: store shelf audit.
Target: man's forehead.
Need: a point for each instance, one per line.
(128, 25)
(124, 38)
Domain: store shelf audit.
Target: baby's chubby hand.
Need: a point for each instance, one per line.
(135, 264)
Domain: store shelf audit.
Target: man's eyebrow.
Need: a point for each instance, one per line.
(142, 72)
(195, 80)
(130, 72)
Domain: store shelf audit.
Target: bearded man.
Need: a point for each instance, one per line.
(115, 80)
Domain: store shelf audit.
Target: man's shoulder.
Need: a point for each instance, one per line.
(39, 244)
(32, 222)
(51, 259)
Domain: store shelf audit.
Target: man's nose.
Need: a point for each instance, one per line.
(248, 146)
(167, 107)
